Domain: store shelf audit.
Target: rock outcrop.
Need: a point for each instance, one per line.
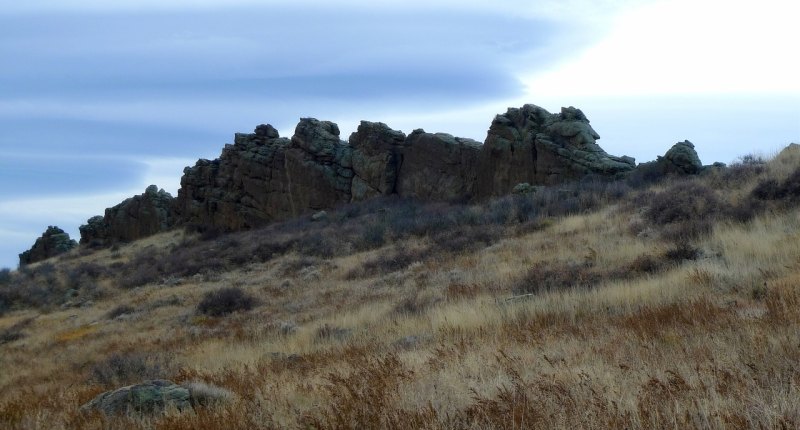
(531, 145)
(438, 167)
(53, 242)
(137, 217)
(262, 177)
(377, 156)
(148, 397)
(242, 189)
(681, 159)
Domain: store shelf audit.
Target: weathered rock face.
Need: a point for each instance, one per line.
(531, 145)
(681, 159)
(137, 217)
(53, 242)
(244, 188)
(148, 397)
(262, 178)
(319, 167)
(377, 156)
(438, 167)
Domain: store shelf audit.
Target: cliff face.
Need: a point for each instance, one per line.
(262, 178)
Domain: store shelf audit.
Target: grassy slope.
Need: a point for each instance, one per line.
(618, 334)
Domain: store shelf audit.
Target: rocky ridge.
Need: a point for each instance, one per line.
(263, 177)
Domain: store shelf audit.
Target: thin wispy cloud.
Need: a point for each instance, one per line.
(100, 99)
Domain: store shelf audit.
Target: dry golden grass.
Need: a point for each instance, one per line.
(712, 343)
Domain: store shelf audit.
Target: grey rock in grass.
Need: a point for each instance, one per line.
(149, 397)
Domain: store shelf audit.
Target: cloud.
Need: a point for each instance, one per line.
(552, 9)
(685, 47)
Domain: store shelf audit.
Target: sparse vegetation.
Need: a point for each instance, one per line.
(225, 301)
(586, 305)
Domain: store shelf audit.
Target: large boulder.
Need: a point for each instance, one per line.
(531, 145)
(681, 159)
(137, 217)
(52, 242)
(147, 397)
(438, 166)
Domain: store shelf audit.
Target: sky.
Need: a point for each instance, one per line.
(100, 99)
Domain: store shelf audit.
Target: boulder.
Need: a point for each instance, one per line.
(137, 217)
(51, 243)
(681, 159)
(438, 167)
(152, 396)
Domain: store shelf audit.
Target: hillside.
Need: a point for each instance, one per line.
(651, 301)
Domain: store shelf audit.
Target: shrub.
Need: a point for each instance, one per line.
(771, 189)
(5, 276)
(225, 301)
(646, 263)
(14, 332)
(681, 252)
(203, 394)
(317, 245)
(684, 202)
(415, 304)
(127, 368)
(645, 175)
(542, 277)
(388, 262)
(686, 211)
(119, 310)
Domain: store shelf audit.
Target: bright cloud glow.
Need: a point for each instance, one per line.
(686, 47)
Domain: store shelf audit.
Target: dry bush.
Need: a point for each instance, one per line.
(15, 332)
(682, 251)
(204, 394)
(646, 264)
(120, 369)
(416, 304)
(554, 276)
(686, 211)
(120, 310)
(772, 189)
(225, 301)
(392, 260)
